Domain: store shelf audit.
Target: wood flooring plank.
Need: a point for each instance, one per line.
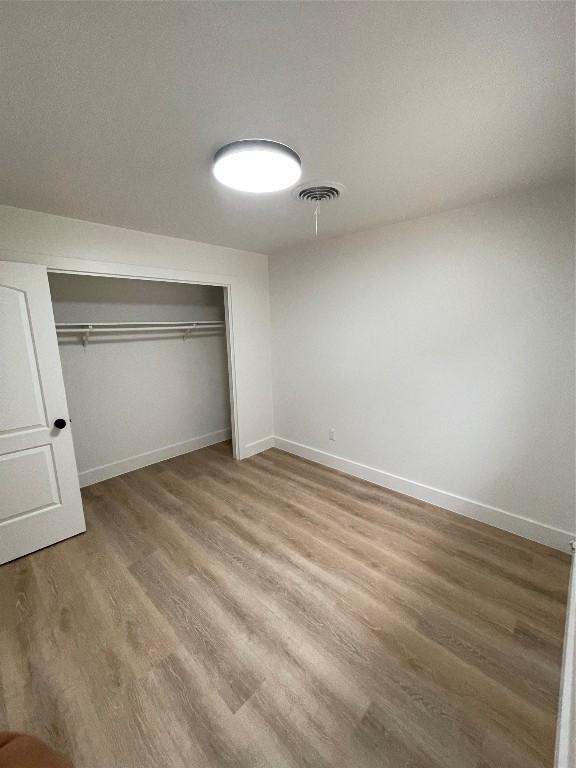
(129, 617)
(345, 638)
(273, 612)
(486, 538)
(433, 548)
(235, 674)
(365, 557)
(207, 718)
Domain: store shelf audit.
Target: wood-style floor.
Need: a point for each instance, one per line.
(273, 613)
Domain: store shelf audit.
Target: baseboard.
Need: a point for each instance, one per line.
(566, 727)
(251, 449)
(499, 518)
(106, 471)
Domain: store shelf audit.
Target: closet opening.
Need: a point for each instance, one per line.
(146, 367)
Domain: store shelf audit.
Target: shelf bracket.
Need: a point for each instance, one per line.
(86, 336)
(188, 332)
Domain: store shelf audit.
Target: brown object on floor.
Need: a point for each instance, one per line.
(275, 613)
(19, 750)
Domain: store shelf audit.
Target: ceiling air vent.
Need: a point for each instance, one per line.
(318, 194)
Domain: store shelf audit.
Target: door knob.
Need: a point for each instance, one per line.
(60, 423)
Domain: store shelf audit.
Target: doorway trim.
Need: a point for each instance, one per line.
(89, 268)
(228, 320)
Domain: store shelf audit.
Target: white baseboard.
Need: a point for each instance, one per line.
(251, 449)
(106, 471)
(499, 518)
(566, 727)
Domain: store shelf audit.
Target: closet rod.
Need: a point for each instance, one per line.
(85, 330)
(140, 324)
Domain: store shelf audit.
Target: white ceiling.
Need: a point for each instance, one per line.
(111, 112)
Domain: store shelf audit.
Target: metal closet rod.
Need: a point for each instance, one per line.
(140, 324)
(85, 330)
(116, 327)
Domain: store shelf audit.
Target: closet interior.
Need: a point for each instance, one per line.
(145, 367)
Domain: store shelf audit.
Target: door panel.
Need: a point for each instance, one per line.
(22, 400)
(40, 499)
(17, 493)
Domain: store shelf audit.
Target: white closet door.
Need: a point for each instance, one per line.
(40, 499)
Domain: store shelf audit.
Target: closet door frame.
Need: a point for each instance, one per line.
(65, 265)
(227, 289)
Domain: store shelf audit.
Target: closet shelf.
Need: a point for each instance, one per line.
(187, 328)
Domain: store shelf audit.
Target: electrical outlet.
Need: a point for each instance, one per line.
(332, 434)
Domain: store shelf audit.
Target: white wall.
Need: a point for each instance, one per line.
(140, 398)
(69, 243)
(441, 351)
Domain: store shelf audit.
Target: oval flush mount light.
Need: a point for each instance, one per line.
(257, 165)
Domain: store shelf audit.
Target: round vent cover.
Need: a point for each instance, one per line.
(318, 193)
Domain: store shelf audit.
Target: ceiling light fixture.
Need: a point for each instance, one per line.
(257, 165)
